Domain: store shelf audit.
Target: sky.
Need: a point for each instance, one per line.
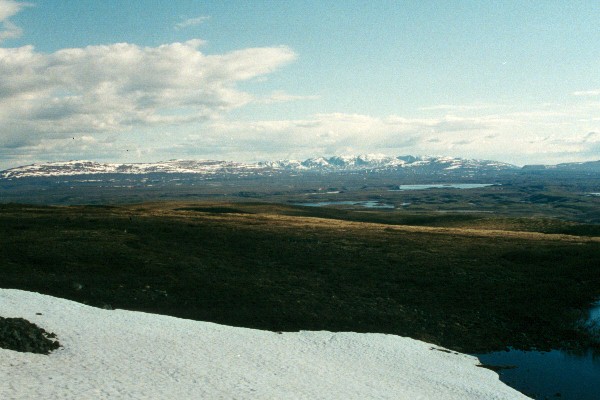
(143, 81)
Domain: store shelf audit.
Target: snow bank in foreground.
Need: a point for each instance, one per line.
(124, 354)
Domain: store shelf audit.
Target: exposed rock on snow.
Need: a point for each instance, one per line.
(124, 354)
(21, 335)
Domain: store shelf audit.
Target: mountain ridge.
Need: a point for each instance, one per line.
(346, 163)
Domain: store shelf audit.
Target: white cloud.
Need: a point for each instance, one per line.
(191, 22)
(587, 93)
(121, 86)
(458, 107)
(337, 133)
(525, 137)
(10, 31)
(280, 96)
(9, 8)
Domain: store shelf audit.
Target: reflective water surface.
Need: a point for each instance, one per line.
(443, 186)
(554, 374)
(551, 375)
(366, 204)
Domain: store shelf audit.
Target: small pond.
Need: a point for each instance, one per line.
(551, 375)
(366, 204)
(402, 188)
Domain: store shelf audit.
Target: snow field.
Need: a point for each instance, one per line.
(132, 355)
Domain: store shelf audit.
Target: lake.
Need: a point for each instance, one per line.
(551, 375)
(366, 204)
(401, 188)
(442, 186)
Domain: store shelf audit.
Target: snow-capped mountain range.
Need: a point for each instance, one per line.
(211, 167)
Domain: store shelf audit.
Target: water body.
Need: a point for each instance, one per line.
(551, 375)
(402, 188)
(366, 204)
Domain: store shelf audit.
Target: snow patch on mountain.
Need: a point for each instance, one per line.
(207, 167)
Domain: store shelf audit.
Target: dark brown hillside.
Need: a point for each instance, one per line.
(278, 268)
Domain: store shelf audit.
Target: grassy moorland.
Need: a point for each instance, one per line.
(470, 283)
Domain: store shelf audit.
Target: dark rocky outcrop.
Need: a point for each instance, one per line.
(21, 335)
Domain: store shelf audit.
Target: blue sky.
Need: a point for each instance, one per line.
(124, 81)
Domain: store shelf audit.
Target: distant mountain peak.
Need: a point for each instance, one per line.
(585, 166)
